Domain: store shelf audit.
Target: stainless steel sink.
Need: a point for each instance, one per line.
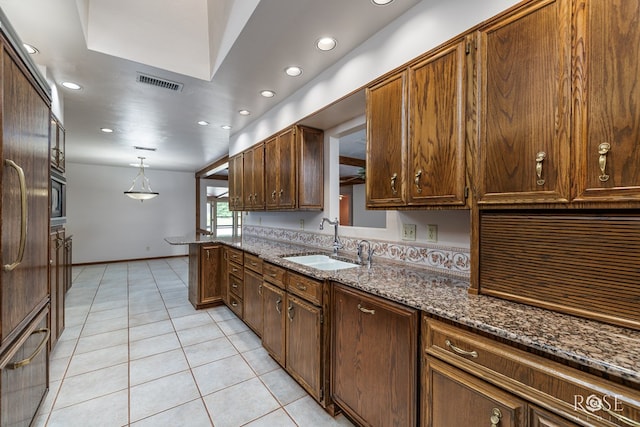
(321, 262)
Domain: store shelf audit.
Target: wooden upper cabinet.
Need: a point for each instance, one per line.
(253, 178)
(386, 142)
(523, 104)
(57, 136)
(436, 140)
(294, 169)
(606, 101)
(236, 171)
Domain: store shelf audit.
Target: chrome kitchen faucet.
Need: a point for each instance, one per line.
(337, 244)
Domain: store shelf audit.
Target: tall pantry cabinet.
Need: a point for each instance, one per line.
(24, 223)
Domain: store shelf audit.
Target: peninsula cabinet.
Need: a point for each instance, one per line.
(253, 178)
(524, 95)
(416, 146)
(606, 97)
(295, 169)
(501, 385)
(205, 268)
(374, 376)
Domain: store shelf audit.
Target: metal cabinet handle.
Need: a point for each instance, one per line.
(496, 416)
(539, 159)
(234, 303)
(281, 192)
(23, 215)
(290, 312)
(234, 285)
(301, 287)
(278, 302)
(260, 289)
(208, 254)
(460, 351)
(41, 346)
(366, 310)
(273, 195)
(394, 177)
(603, 149)
(417, 181)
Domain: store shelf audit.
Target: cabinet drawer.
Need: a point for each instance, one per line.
(274, 274)
(235, 255)
(554, 386)
(236, 286)
(253, 262)
(235, 304)
(305, 287)
(236, 269)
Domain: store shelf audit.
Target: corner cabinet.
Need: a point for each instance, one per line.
(374, 358)
(501, 385)
(416, 145)
(205, 269)
(524, 95)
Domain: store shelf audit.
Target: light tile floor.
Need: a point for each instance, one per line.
(136, 353)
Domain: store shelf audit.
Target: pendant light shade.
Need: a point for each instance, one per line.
(144, 191)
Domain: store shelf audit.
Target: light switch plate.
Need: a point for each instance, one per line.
(409, 232)
(432, 233)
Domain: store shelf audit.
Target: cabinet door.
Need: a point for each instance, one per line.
(538, 417)
(236, 170)
(210, 262)
(607, 96)
(224, 276)
(374, 361)
(247, 179)
(386, 142)
(25, 190)
(310, 168)
(454, 398)
(287, 169)
(273, 327)
(271, 173)
(524, 106)
(303, 344)
(252, 299)
(258, 177)
(436, 140)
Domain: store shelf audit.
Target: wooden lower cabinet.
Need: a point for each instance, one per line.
(57, 284)
(374, 358)
(252, 298)
(488, 378)
(205, 266)
(273, 331)
(455, 398)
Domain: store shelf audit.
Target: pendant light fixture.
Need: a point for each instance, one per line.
(144, 192)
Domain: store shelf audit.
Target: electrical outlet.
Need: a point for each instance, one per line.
(432, 233)
(408, 232)
(302, 224)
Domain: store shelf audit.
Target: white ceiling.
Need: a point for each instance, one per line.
(243, 44)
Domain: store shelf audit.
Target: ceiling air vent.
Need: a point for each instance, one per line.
(158, 82)
(137, 147)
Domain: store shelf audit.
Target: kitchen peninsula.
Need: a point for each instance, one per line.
(556, 342)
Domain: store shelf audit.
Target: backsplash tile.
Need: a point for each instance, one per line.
(448, 260)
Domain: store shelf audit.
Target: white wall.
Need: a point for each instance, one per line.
(422, 28)
(108, 226)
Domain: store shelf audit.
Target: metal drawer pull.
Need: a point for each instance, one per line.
(234, 303)
(366, 310)
(539, 159)
(278, 302)
(41, 346)
(603, 149)
(460, 351)
(417, 181)
(290, 312)
(301, 287)
(496, 416)
(394, 177)
(272, 274)
(23, 215)
(234, 285)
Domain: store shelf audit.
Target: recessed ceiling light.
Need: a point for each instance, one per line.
(381, 2)
(268, 93)
(225, 127)
(30, 49)
(326, 43)
(106, 130)
(244, 112)
(71, 85)
(293, 71)
(203, 123)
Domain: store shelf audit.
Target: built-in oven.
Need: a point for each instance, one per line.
(58, 199)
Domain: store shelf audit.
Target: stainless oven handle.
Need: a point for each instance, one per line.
(41, 346)
(23, 211)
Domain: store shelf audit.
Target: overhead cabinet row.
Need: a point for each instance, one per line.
(536, 106)
(284, 172)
